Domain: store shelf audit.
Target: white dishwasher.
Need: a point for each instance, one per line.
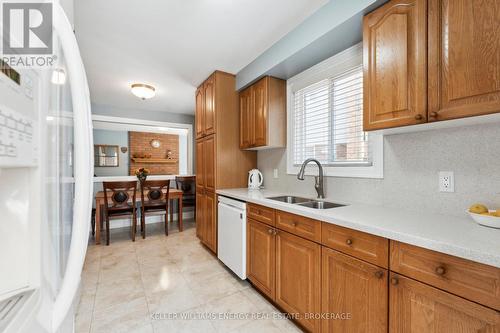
(232, 235)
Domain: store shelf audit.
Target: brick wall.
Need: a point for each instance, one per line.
(140, 143)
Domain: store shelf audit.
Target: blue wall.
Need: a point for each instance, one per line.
(119, 138)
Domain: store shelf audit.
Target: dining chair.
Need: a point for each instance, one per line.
(118, 203)
(154, 201)
(187, 185)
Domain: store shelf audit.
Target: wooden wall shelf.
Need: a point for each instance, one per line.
(154, 160)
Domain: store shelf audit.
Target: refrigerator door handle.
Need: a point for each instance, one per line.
(83, 167)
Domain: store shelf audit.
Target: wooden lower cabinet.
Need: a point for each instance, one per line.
(200, 213)
(417, 307)
(211, 221)
(354, 294)
(298, 278)
(206, 218)
(261, 256)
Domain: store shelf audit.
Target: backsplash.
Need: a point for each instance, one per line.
(411, 165)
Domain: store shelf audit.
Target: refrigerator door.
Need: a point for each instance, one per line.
(76, 164)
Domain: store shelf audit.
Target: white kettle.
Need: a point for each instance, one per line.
(255, 179)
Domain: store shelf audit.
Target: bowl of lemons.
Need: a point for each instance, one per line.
(484, 216)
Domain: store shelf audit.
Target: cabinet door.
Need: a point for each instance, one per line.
(210, 231)
(417, 307)
(199, 114)
(200, 213)
(246, 118)
(298, 278)
(200, 160)
(394, 65)
(261, 257)
(209, 106)
(464, 61)
(209, 162)
(260, 116)
(355, 292)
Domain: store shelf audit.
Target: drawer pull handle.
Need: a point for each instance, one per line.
(394, 281)
(433, 114)
(348, 241)
(419, 117)
(294, 223)
(440, 270)
(259, 212)
(275, 232)
(270, 231)
(379, 274)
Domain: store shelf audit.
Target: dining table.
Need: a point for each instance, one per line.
(173, 194)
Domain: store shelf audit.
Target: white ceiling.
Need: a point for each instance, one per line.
(175, 44)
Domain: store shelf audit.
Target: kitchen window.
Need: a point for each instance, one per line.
(325, 119)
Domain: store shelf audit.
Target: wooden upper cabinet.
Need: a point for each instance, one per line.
(209, 105)
(261, 256)
(199, 116)
(416, 307)
(298, 278)
(246, 119)
(263, 114)
(208, 156)
(351, 286)
(463, 55)
(394, 65)
(260, 106)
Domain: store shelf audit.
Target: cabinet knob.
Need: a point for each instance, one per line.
(275, 232)
(259, 212)
(419, 117)
(294, 223)
(440, 270)
(433, 114)
(348, 241)
(270, 231)
(379, 274)
(394, 281)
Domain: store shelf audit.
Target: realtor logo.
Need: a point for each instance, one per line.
(27, 28)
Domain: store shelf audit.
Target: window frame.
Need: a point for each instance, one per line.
(333, 66)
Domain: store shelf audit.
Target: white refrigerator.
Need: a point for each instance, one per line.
(46, 170)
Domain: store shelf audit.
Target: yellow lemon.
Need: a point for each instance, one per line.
(478, 209)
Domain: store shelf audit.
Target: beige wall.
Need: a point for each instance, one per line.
(411, 165)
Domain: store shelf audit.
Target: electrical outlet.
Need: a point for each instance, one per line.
(446, 181)
(275, 173)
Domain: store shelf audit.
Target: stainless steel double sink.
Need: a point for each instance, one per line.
(305, 202)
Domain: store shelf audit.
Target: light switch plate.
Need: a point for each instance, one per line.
(446, 181)
(275, 173)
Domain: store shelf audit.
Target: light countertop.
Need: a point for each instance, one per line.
(457, 236)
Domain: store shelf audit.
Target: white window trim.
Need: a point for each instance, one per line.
(330, 67)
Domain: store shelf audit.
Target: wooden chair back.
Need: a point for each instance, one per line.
(117, 195)
(155, 193)
(186, 184)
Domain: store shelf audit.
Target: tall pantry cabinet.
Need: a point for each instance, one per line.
(219, 161)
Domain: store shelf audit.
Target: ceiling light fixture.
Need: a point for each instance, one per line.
(143, 91)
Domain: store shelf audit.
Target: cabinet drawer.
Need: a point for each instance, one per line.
(299, 225)
(371, 248)
(474, 281)
(261, 213)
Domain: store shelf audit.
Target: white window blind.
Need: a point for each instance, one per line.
(328, 121)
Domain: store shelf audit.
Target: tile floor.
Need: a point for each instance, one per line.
(134, 287)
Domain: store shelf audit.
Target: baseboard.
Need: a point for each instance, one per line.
(121, 223)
